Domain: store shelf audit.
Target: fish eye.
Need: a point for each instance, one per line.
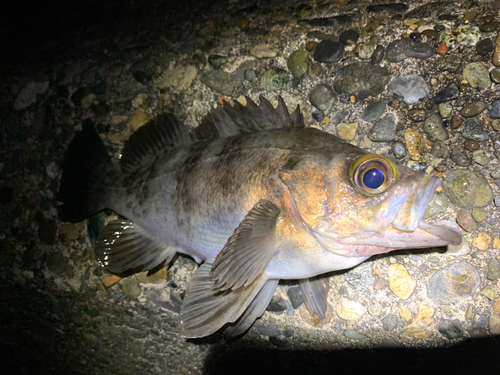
(372, 174)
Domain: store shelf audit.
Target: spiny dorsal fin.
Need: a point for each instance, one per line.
(227, 120)
(154, 139)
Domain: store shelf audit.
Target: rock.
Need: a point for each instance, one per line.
(401, 49)
(263, 51)
(453, 283)
(347, 131)
(489, 292)
(361, 277)
(467, 189)
(465, 220)
(414, 143)
(456, 121)
(473, 109)
(138, 119)
(434, 129)
(493, 269)
(277, 305)
(226, 83)
(449, 63)
(354, 335)
(450, 92)
(437, 205)
(361, 80)
(322, 97)
(140, 100)
(422, 326)
(350, 310)
(275, 80)
(484, 47)
(328, 52)
(496, 52)
(482, 241)
(377, 55)
(480, 157)
(494, 321)
(295, 296)
(179, 78)
(489, 26)
(27, 95)
(399, 150)
(389, 322)
(216, 61)
(445, 110)
(459, 158)
(464, 35)
(130, 287)
(401, 283)
(495, 75)
(472, 145)
(373, 111)
(366, 51)
(495, 109)
(451, 329)
(349, 37)
(411, 88)
(384, 130)
(477, 75)
(57, 263)
(298, 63)
(474, 132)
(440, 150)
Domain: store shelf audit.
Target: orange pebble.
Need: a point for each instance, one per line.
(442, 49)
(221, 100)
(111, 280)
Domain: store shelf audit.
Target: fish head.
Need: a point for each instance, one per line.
(370, 205)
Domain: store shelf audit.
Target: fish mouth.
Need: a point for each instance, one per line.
(410, 216)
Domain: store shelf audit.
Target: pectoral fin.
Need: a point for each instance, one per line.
(315, 292)
(249, 250)
(123, 246)
(205, 310)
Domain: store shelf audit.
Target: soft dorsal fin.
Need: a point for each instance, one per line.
(227, 120)
(154, 139)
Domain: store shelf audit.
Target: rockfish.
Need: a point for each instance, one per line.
(253, 196)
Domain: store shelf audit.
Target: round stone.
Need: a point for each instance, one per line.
(473, 109)
(377, 55)
(480, 157)
(474, 131)
(298, 63)
(478, 215)
(411, 88)
(489, 26)
(430, 34)
(477, 75)
(484, 47)
(450, 92)
(465, 220)
(434, 128)
(451, 329)
(456, 121)
(417, 115)
(327, 51)
(495, 109)
(495, 75)
(399, 150)
(361, 80)
(322, 97)
(467, 189)
(365, 51)
(459, 158)
(440, 150)
(373, 111)
(384, 130)
(349, 37)
(401, 49)
(493, 269)
(274, 80)
(471, 145)
(445, 109)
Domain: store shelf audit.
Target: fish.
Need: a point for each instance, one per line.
(254, 196)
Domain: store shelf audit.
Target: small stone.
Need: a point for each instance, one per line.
(414, 143)
(440, 150)
(401, 283)
(496, 243)
(349, 37)
(216, 61)
(495, 109)
(140, 100)
(389, 322)
(295, 296)
(478, 215)
(474, 132)
(263, 51)
(494, 321)
(437, 205)
(496, 52)
(434, 129)
(57, 263)
(417, 115)
(361, 80)
(482, 241)
(467, 189)
(327, 51)
(480, 157)
(350, 310)
(495, 75)
(473, 109)
(495, 173)
(404, 312)
(484, 47)
(465, 220)
(138, 119)
(180, 78)
(451, 329)
(464, 35)
(456, 121)
(453, 283)
(377, 55)
(130, 287)
(399, 150)
(322, 97)
(445, 110)
(489, 26)
(298, 63)
(489, 292)
(373, 111)
(495, 125)
(450, 92)
(477, 75)
(274, 80)
(311, 45)
(422, 326)
(442, 49)
(347, 131)
(384, 130)
(493, 269)
(366, 51)
(401, 49)
(410, 88)
(375, 309)
(354, 335)
(472, 146)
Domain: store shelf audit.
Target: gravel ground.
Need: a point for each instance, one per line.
(413, 82)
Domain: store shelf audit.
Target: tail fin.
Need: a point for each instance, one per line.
(85, 164)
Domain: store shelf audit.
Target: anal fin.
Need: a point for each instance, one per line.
(315, 292)
(124, 246)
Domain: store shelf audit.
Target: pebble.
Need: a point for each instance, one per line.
(480, 157)
(489, 26)
(275, 80)
(384, 130)
(130, 287)
(373, 111)
(464, 35)
(138, 119)
(437, 205)
(434, 128)
(495, 75)
(495, 109)
(482, 241)
(361, 80)
(449, 63)
(57, 263)
(401, 49)
(180, 78)
(440, 150)
(474, 131)
(224, 82)
(322, 97)
(414, 143)
(401, 283)
(451, 329)
(484, 47)
(496, 53)
(377, 55)
(295, 296)
(327, 51)
(497, 201)
(375, 309)
(465, 220)
(263, 51)
(366, 51)
(216, 61)
(349, 37)
(493, 269)
(354, 335)
(361, 277)
(423, 324)
(445, 110)
(411, 88)
(496, 242)
(456, 121)
(399, 150)
(490, 292)
(473, 109)
(450, 92)
(477, 75)
(389, 322)
(347, 131)
(495, 173)
(298, 63)
(453, 283)
(478, 215)
(467, 189)
(350, 310)
(472, 146)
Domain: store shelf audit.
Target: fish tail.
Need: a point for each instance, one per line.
(86, 164)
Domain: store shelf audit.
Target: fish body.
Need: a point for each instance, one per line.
(254, 195)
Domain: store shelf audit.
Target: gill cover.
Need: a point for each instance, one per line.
(372, 174)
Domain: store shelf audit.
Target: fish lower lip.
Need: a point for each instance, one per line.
(451, 236)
